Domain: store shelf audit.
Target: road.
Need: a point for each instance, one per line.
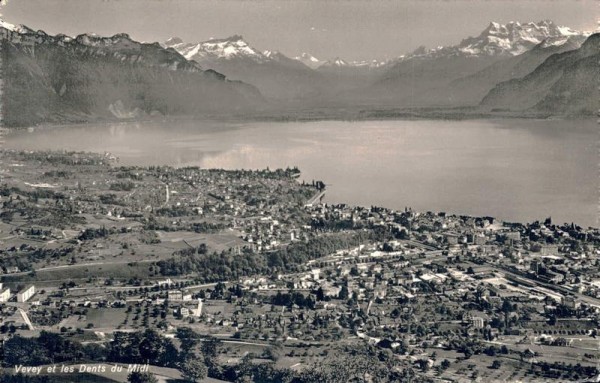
(26, 318)
(315, 198)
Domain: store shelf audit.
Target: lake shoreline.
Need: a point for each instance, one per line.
(315, 115)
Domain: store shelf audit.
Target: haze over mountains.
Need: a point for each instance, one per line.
(461, 75)
(538, 68)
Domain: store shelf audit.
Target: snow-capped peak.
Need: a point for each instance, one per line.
(365, 64)
(9, 26)
(228, 49)
(339, 62)
(336, 63)
(13, 28)
(274, 55)
(173, 41)
(277, 56)
(309, 60)
(512, 38)
(307, 56)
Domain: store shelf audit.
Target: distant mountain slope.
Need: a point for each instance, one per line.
(429, 77)
(458, 75)
(565, 83)
(471, 89)
(341, 65)
(275, 75)
(55, 79)
(353, 75)
(309, 60)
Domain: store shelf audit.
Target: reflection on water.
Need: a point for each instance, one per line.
(519, 170)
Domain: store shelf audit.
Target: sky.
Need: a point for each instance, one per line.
(350, 29)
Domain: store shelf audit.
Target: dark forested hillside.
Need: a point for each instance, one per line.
(59, 79)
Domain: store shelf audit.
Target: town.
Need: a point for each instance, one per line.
(250, 275)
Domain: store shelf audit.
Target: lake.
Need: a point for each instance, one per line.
(516, 170)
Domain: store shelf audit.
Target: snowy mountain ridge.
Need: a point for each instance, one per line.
(341, 63)
(233, 47)
(309, 60)
(511, 39)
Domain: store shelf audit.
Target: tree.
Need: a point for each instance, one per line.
(210, 349)
(169, 356)
(193, 369)
(27, 351)
(141, 377)
(496, 364)
(273, 352)
(151, 345)
(320, 294)
(423, 364)
(445, 364)
(189, 339)
(507, 308)
(490, 351)
(343, 294)
(468, 352)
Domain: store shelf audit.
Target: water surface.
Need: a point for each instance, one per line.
(519, 170)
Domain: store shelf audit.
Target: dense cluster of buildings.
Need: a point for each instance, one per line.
(401, 281)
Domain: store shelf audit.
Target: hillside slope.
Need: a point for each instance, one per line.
(473, 88)
(565, 83)
(57, 79)
(462, 74)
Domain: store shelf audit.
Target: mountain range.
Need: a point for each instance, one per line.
(450, 76)
(57, 79)
(274, 74)
(461, 75)
(518, 68)
(565, 83)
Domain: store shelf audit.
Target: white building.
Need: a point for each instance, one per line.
(166, 282)
(26, 293)
(316, 273)
(5, 295)
(478, 322)
(184, 312)
(198, 310)
(175, 295)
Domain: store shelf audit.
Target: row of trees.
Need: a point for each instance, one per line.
(196, 357)
(214, 266)
(227, 265)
